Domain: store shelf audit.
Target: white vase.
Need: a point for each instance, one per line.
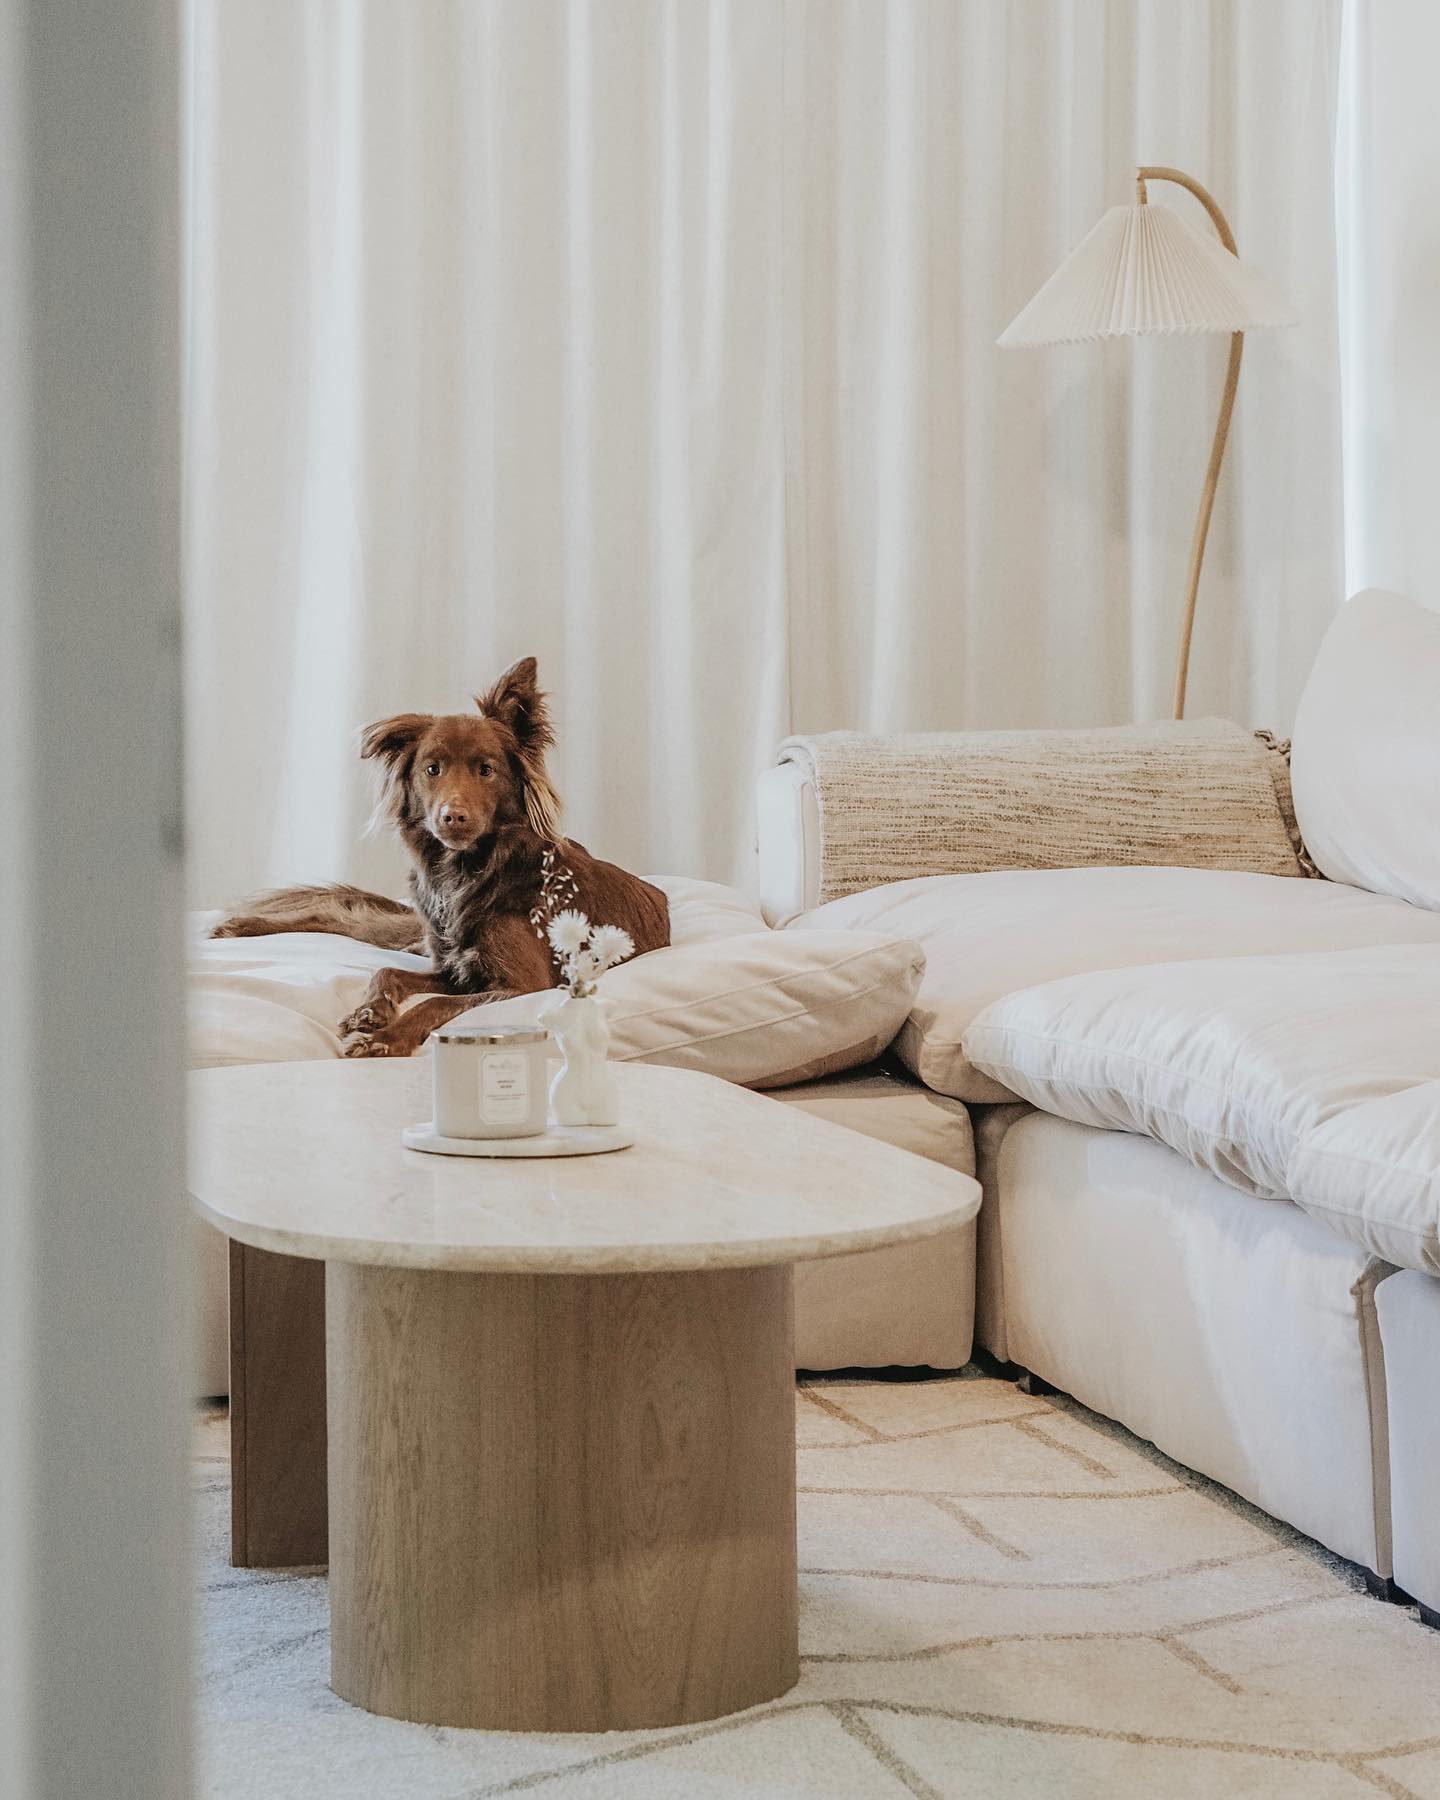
(584, 1090)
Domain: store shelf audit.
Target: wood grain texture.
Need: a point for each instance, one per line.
(277, 1410)
(561, 1503)
(1160, 172)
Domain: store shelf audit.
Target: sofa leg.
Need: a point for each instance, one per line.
(1429, 1616)
(1036, 1385)
(1383, 1587)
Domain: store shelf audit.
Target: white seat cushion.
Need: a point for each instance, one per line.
(1365, 762)
(1373, 1173)
(991, 934)
(1288, 1076)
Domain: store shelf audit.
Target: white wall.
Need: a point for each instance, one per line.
(95, 1591)
(1389, 217)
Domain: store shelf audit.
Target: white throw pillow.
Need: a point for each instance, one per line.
(1373, 1173)
(1365, 759)
(703, 911)
(765, 1010)
(991, 934)
(1277, 1073)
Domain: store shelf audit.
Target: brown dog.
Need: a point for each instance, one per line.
(470, 797)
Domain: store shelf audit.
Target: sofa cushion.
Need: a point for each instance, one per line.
(1365, 761)
(1372, 1172)
(881, 1104)
(1284, 1075)
(991, 934)
(909, 1304)
(765, 1010)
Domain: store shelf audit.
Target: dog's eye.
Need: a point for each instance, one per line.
(432, 768)
(487, 769)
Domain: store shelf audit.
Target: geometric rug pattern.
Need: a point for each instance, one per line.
(1001, 1595)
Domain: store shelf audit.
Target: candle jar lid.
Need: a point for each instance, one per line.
(490, 1034)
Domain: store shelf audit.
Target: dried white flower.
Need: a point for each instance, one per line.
(583, 967)
(568, 931)
(612, 944)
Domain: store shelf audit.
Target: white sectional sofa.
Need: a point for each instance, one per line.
(1214, 1212)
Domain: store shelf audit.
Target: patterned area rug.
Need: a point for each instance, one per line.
(1001, 1596)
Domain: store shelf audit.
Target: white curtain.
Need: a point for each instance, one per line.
(657, 338)
(1389, 207)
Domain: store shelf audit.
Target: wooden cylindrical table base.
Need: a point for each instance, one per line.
(561, 1502)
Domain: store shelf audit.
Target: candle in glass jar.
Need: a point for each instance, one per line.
(490, 1081)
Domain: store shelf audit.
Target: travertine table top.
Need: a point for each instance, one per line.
(306, 1159)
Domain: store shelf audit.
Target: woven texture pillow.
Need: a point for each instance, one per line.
(1202, 794)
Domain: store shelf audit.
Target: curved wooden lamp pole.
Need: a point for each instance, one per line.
(1222, 424)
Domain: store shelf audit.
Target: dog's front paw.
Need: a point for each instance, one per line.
(363, 1043)
(364, 1019)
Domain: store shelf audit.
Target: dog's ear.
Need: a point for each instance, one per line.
(391, 739)
(516, 701)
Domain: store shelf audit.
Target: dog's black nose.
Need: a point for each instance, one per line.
(452, 815)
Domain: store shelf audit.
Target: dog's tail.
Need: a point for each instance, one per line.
(348, 911)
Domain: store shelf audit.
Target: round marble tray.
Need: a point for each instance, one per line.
(559, 1140)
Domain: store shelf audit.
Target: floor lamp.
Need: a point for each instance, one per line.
(1145, 269)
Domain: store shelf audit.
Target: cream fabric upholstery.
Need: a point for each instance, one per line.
(787, 822)
(991, 1125)
(1281, 1074)
(1239, 1338)
(990, 935)
(911, 1305)
(765, 1010)
(1373, 1173)
(1366, 749)
(1408, 1306)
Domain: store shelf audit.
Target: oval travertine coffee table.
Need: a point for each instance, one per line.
(560, 1406)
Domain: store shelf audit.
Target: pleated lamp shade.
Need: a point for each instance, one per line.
(1146, 269)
